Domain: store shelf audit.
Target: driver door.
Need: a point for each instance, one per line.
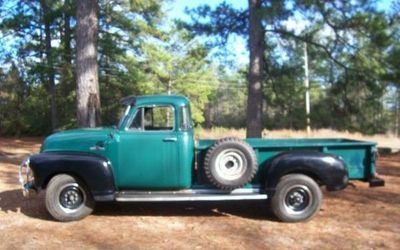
(148, 149)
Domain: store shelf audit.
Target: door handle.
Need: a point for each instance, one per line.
(170, 139)
(98, 147)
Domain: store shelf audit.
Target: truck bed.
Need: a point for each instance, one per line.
(359, 156)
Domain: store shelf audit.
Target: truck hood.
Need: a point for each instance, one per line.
(75, 140)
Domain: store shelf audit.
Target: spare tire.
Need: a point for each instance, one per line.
(230, 163)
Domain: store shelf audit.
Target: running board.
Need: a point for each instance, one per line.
(191, 195)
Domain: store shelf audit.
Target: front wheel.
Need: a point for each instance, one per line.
(68, 199)
(297, 198)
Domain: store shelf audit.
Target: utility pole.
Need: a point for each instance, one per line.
(169, 85)
(307, 87)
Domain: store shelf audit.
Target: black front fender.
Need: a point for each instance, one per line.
(94, 170)
(327, 169)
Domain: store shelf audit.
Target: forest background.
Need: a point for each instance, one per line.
(154, 47)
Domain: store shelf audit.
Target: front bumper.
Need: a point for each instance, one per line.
(26, 179)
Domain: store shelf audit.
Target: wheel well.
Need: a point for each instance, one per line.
(48, 178)
(310, 174)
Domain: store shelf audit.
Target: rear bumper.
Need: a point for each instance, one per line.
(376, 182)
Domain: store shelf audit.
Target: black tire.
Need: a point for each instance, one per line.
(68, 199)
(230, 163)
(297, 198)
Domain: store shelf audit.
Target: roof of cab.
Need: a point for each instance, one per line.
(175, 100)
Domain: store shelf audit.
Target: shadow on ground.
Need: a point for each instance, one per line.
(12, 201)
(247, 209)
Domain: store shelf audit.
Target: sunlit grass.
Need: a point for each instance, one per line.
(383, 140)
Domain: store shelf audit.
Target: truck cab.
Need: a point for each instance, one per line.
(154, 144)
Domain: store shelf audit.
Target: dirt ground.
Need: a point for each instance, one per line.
(357, 218)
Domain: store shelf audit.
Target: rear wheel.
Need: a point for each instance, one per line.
(297, 198)
(68, 199)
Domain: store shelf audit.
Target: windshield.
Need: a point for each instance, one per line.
(124, 116)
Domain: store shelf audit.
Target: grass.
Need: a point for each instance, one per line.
(383, 140)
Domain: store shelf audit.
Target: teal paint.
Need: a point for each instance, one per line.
(144, 160)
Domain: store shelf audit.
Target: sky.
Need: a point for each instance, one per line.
(175, 9)
(237, 45)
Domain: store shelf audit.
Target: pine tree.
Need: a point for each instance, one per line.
(88, 93)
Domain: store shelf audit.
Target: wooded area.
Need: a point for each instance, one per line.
(353, 50)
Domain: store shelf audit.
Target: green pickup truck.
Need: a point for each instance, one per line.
(152, 156)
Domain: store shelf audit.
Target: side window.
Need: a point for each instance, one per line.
(155, 118)
(159, 118)
(186, 122)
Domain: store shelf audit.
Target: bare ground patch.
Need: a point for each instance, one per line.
(357, 218)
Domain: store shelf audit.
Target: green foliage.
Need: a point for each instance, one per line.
(11, 100)
(227, 105)
(36, 112)
(179, 66)
(124, 26)
(353, 50)
(136, 56)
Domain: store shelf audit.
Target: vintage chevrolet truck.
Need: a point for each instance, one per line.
(152, 156)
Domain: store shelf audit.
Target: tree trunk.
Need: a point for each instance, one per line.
(88, 100)
(107, 64)
(66, 80)
(256, 76)
(67, 37)
(49, 62)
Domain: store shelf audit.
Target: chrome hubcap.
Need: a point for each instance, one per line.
(230, 164)
(297, 199)
(71, 197)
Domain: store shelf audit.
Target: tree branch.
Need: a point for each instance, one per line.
(310, 41)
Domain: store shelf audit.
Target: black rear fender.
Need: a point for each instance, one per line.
(326, 169)
(94, 170)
